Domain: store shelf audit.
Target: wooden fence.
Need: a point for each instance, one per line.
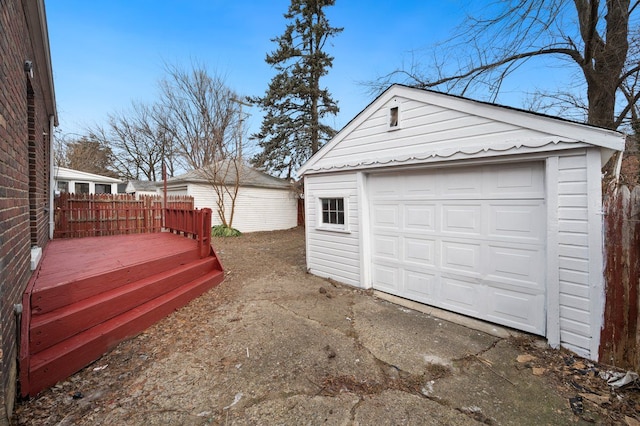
(191, 223)
(619, 340)
(89, 215)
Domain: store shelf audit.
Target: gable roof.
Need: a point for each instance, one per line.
(142, 185)
(63, 173)
(520, 129)
(248, 177)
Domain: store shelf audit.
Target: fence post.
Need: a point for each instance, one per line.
(619, 341)
(204, 242)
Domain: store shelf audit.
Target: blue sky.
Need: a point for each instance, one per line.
(108, 53)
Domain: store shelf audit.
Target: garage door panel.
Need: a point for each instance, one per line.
(415, 185)
(420, 217)
(420, 251)
(386, 247)
(462, 219)
(521, 181)
(461, 257)
(420, 285)
(515, 265)
(460, 183)
(517, 221)
(386, 216)
(515, 309)
(386, 278)
(460, 295)
(385, 186)
(471, 240)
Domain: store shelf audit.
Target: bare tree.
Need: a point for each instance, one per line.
(59, 148)
(139, 141)
(199, 113)
(599, 40)
(89, 155)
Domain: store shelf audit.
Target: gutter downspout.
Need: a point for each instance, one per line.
(52, 188)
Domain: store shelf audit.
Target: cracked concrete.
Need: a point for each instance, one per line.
(305, 351)
(285, 347)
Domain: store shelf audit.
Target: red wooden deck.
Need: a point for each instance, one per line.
(89, 294)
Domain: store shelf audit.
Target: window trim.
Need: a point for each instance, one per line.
(395, 106)
(333, 227)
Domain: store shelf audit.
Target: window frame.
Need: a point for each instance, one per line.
(395, 106)
(335, 227)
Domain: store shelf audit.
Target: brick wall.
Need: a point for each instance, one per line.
(24, 180)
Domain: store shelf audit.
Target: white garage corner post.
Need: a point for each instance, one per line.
(308, 205)
(552, 273)
(596, 248)
(364, 222)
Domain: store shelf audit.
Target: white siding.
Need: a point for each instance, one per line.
(257, 209)
(333, 254)
(425, 128)
(573, 254)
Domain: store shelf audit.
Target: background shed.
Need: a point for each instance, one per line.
(264, 202)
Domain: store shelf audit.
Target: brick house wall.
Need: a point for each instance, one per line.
(26, 108)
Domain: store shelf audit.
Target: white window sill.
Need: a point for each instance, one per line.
(336, 230)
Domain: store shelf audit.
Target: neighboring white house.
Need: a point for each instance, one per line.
(69, 180)
(484, 210)
(264, 203)
(142, 187)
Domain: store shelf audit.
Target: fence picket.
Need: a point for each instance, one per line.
(619, 340)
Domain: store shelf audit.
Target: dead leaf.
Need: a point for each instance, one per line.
(525, 358)
(595, 398)
(579, 365)
(630, 421)
(538, 371)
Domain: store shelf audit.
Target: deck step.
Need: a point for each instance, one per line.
(69, 356)
(55, 326)
(45, 300)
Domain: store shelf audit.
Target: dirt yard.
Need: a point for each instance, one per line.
(275, 345)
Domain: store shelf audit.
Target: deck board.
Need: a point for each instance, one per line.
(74, 259)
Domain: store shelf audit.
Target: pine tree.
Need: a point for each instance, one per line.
(294, 103)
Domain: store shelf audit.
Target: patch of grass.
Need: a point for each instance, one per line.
(224, 231)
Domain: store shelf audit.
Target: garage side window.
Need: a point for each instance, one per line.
(332, 211)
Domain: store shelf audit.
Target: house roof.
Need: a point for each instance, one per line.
(248, 176)
(142, 185)
(37, 20)
(545, 132)
(62, 173)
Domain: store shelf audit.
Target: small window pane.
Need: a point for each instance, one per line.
(82, 188)
(102, 188)
(63, 186)
(393, 117)
(332, 211)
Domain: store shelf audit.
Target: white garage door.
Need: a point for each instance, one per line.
(469, 240)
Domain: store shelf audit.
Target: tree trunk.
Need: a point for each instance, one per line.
(601, 94)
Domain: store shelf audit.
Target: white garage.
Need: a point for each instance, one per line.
(478, 209)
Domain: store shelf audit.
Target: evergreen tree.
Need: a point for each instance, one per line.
(294, 103)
